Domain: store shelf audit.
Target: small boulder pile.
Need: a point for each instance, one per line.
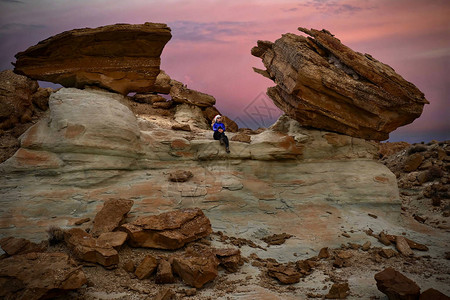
(423, 175)
(25, 264)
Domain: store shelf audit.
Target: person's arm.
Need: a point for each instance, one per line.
(215, 126)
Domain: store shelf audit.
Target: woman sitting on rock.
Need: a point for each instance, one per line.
(219, 132)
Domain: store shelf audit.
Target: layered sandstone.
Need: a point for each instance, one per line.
(122, 57)
(324, 84)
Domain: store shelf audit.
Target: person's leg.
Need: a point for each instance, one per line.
(216, 135)
(225, 141)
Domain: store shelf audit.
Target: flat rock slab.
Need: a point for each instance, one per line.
(90, 249)
(38, 276)
(111, 215)
(396, 285)
(122, 57)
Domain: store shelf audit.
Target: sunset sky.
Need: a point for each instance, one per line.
(210, 47)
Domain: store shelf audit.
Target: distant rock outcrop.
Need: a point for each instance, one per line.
(122, 57)
(324, 84)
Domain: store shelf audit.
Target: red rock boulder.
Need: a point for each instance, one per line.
(122, 57)
(170, 230)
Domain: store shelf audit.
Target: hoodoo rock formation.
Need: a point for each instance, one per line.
(122, 57)
(324, 84)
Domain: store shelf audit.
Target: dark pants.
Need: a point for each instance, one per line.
(221, 137)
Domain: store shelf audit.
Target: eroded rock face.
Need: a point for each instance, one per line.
(324, 84)
(15, 98)
(88, 130)
(39, 276)
(171, 230)
(122, 57)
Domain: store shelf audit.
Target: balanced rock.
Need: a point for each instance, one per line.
(39, 276)
(122, 57)
(170, 230)
(396, 285)
(322, 83)
(16, 93)
(111, 215)
(196, 266)
(90, 249)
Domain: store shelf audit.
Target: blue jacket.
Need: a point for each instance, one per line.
(218, 125)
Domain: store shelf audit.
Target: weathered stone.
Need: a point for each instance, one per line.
(324, 253)
(81, 221)
(304, 266)
(324, 84)
(122, 57)
(286, 274)
(387, 253)
(164, 272)
(181, 94)
(383, 239)
(432, 294)
(163, 104)
(114, 239)
(396, 285)
(413, 162)
(338, 291)
(277, 239)
(229, 258)
(14, 246)
(166, 294)
(87, 248)
(192, 115)
(162, 84)
(180, 176)
(39, 276)
(196, 266)
(15, 98)
(111, 215)
(147, 266)
(241, 137)
(366, 246)
(171, 230)
(40, 98)
(148, 98)
(402, 246)
(129, 266)
(182, 127)
(88, 136)
(411, 244)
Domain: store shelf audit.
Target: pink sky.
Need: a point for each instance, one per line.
(210, 47)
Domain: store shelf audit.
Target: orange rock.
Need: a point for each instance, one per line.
(111, 215)
(122, 57)
(171, 230)
(322, 83)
